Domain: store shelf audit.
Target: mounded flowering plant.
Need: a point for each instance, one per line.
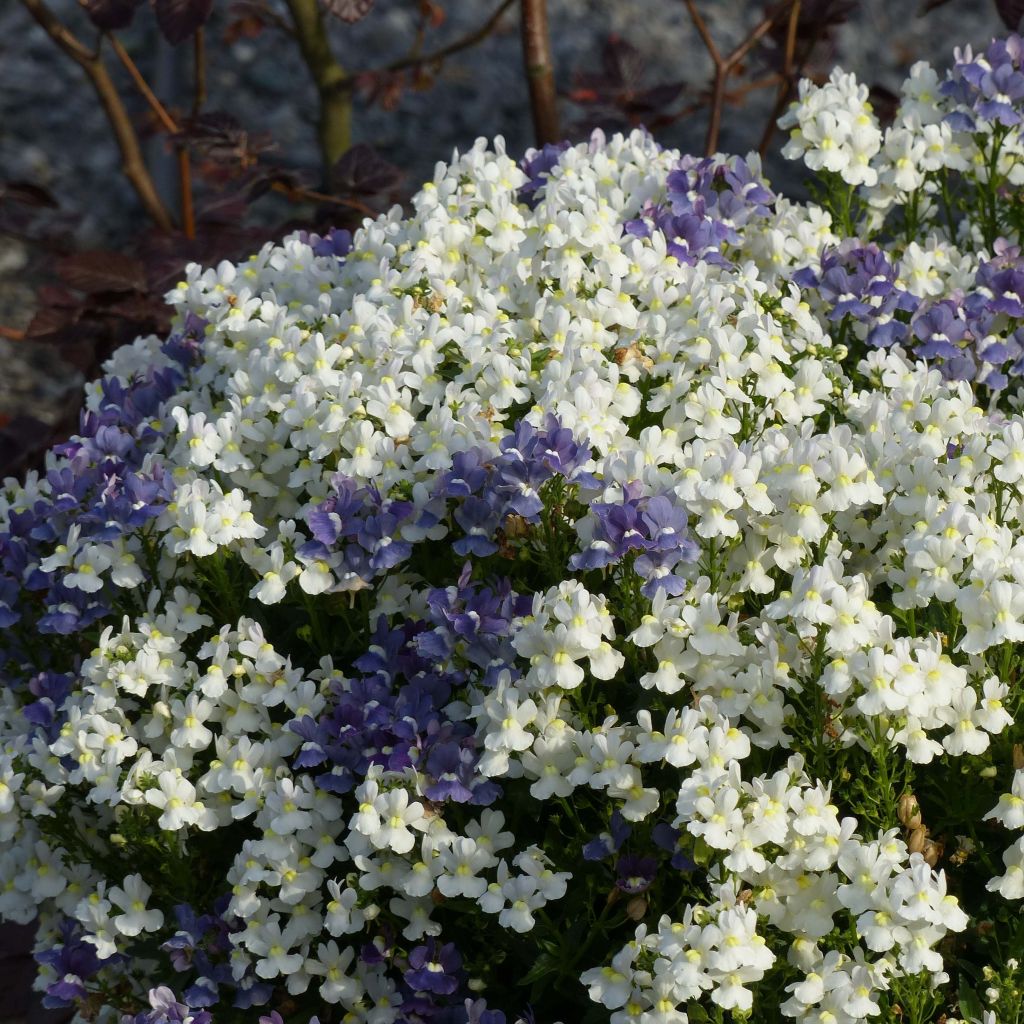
(595, 596)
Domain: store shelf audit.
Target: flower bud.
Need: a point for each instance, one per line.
(909, 812)
(932, 852)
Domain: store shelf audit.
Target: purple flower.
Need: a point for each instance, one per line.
(537, 165)
(859, 282)
(434, 968)
(607, 843)
(634, 873)
(708, 201)
(337, 242)
(649, 525)
(666, 837)
(992, 88)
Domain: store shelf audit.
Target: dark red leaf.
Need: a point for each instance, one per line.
(620, 87)
(179, 19)
(348, 10)
(135, 307)
(50, 320)
(100, 271)
(56, 295)
(1011, 11)
(111, 14)
(363, 171)
(27, 194)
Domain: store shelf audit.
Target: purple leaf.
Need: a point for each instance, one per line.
(179, 19)
(363, 171)
(102, 271)
(111, 14)
(1011, 11)
(348, 10)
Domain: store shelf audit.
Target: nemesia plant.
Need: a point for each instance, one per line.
(595, 596)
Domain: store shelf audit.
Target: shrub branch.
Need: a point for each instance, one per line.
(91, 62)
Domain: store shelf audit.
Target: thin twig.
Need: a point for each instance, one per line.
(166, 121)
(188, 215)
(11, 333)
(297, 194)
(540, 70)
(756, 34)
(791, 28)
(60, 33)
(738, 94)
(92, 64)
(786, 85)
(705, 35)
(724, 66)
(412, 60)
(463, 42)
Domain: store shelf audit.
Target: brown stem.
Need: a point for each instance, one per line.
(715, 114)
(786, 84)
(741, 92)
(540, 70)
(462, 43)
(335, 124)
(166, 121)
(298, 194)
(188, 216)
(725, 66)
(756, 34)
(92, 64)
(413, 59)
(702, 29)
(12, 333)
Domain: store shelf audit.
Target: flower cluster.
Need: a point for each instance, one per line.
(595, 595)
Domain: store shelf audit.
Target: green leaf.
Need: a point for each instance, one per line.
(546, 963)
(970, 1004)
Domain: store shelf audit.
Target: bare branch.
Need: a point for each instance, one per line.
(725, 66)
(477, 35)
(59, 32)
(132, 163)
(166, 121)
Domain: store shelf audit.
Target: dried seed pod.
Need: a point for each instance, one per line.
(917, 840)
(1018, 756)
(636, 908)
(932, 852)
(910, 812)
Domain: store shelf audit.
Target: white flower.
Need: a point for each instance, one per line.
(175, 796)
(132, 901)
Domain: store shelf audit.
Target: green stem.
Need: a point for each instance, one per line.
(335, 123)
